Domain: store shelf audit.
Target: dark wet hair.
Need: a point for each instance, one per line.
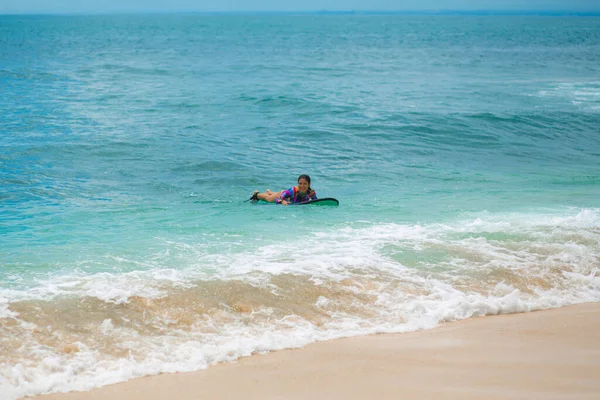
(306, 177)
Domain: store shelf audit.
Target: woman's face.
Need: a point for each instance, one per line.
(302, 185)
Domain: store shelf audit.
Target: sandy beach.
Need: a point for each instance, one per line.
(552, 354)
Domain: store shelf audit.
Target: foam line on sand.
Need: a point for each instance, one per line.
(552, 354)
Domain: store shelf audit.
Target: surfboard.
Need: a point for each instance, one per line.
(325, 201)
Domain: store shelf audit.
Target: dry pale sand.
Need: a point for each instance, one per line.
(546, 355)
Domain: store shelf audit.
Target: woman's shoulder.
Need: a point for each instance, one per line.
(289, 191)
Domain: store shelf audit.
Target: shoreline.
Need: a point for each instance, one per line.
(550, 354)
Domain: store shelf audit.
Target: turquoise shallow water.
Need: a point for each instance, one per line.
(464, 151)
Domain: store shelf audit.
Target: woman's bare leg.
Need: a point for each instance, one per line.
(268, 196)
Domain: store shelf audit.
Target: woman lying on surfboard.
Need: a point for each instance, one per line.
(296, 194)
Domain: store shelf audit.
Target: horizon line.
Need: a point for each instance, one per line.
(482, 12)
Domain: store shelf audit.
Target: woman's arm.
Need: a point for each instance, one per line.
(286, 194)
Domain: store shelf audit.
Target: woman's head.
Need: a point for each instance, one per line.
(304, 183)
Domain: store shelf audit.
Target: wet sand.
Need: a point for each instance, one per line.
(552, 354)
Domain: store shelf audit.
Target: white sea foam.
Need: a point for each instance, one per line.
(480, 265)
(4, 311)
(338, 254)
(582, 94)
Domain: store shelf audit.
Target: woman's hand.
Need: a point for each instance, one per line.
(285, 203)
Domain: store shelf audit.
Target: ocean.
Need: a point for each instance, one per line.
(464, 151)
